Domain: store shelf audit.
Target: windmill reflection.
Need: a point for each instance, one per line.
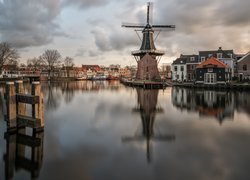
(147, 107)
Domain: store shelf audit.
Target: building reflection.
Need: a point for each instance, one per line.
(147, 108)
(242, 99)
(217, 104)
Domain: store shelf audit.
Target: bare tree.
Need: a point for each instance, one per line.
(36, 63)
(52, 58)
(68, 63)
(7, 54)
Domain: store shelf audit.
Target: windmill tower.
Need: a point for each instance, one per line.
(148, 57)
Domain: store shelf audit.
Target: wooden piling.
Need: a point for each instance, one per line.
(21, 107)
(37, 109)
(11, 105)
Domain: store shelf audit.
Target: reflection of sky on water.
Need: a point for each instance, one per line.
(82, 139)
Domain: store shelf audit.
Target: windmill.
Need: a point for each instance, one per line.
(148, 57)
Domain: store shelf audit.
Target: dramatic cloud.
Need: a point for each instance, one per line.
(200, 25)
(205, 25)
(84, 4)
(27, 22)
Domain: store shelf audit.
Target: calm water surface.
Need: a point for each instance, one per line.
(103, 130)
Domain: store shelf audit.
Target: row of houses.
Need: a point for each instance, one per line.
(211, 67)
(87, 71)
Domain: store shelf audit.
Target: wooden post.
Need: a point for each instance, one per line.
(37, 109)
(11, 105)
(21, 107)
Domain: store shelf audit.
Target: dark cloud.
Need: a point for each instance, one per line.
(204, 25)
(84, 4)
(28, 23)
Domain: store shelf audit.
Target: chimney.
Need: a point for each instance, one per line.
(219, 48)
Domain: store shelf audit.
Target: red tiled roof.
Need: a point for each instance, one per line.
(212, 61)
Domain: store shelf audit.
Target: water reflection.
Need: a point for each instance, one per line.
(208, 103)
(56, 90)
(106, 132)
(23, 152)
(147, 108)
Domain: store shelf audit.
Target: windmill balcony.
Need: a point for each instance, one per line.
(153, 51)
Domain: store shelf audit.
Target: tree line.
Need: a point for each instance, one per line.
(50, 59)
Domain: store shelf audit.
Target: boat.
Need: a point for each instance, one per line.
(81, 78)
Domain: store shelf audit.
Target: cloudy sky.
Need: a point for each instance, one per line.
(90, 30)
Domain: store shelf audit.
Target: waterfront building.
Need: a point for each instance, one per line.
(212, 71)
(226, 56)
(183, 68)
(243, 67)
(179, 69)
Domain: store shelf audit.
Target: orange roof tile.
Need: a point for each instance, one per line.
(212, 61)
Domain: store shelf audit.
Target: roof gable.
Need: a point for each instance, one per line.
(212, 61)
(245, 58)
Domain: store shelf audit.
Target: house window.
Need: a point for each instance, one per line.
(191, 58)
(230, 55)
(244, 67)
(203, 58)
(210, 78)
(210, 70)
(182, 68)
(219, 55)
(175, 68)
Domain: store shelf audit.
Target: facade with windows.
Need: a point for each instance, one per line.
(243, 67)
(226, 56)
(179, 69)
(183, 68)
(212, 71)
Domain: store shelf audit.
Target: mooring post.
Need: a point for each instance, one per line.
(21, 107)
(11, 105)
(37, 109)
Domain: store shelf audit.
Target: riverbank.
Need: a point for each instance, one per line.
(232, 86)
(146, 84)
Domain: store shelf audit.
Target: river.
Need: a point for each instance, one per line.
(104, 130)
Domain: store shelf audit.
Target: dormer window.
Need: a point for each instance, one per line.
(219, 55)
(191, 58)
(230, 55)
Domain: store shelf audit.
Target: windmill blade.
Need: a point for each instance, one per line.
(164, 138)
(151, 12)
(132, 25)
(133, 138)
(164, 26)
